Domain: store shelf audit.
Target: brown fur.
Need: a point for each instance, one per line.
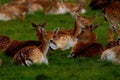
(31, 53)
(15, 45)
(4, 42)
(111, 44)
(89, 49)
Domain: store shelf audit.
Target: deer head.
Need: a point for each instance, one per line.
(64, 39)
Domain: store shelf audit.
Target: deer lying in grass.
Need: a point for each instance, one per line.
(10, 47)
(12, 11)
(34, 54)
(78, 8)
(111, 54)
(58, 7)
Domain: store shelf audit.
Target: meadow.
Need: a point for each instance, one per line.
(60, 67)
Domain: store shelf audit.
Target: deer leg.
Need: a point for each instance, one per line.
(110, 35)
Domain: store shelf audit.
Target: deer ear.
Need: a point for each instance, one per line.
(56, 30)
(34, 25)
(77, 29)
(41, 29)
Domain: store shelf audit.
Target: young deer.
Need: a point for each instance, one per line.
(63, 39)
(111, 54)
(11, 11)
(32, 54)
(78, 8)
(58, 7)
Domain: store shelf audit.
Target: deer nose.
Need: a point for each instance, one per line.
(51, 41)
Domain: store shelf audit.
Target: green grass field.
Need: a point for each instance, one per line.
(60, 67)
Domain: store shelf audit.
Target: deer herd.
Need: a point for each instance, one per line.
(81, 39)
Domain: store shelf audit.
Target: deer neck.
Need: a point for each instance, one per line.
(44, 47)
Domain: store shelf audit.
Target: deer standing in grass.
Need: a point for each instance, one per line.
(111, 11)
(32, 54)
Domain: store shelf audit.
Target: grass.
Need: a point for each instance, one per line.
(60, 67)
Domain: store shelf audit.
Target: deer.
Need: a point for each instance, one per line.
(111, 14)
(64, 39)
(59, 7)
(78, 8)
(111, 55)
(56, 7)
(11, 11)
(34, 54)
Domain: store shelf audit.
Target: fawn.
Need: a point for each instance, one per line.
(33, 54)
(58, 7)
(78, 8)
(63, 39)
(12, 11)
